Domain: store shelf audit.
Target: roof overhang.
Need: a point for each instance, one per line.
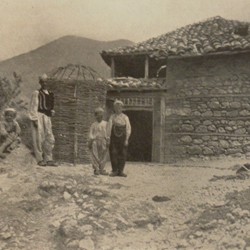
(107, 56)
(143, 90)
(235, 52)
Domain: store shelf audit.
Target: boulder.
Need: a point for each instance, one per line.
(196, 92)
(246, 148)
(81, 216)
(227, 128)
(66, 195)
(187, 128)
(214, 138)
(86, 230)
(186, 139)
(213, 143)
(197, 113)
(5, 235)
(98, 193)
(205, 138)
(236, 144)
(70, 189)
(47, 186)
(233, 113)
(207, 113)
(231, 151)
(221, 130)
(201, 129)
(207, 122)
(244, 113)
(207, 151)
(217, 113)
(246, 106)
(195, 150)
(73, 244)
(196, 122)
(68, 228)
(211, 128)
(224, 143)
(214, 105)
(240, 131)
(240, 123)
(197, 141)
(232, 123)
(86, 244)
(225, 105)
(235, 105)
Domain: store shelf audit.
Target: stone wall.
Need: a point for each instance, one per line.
(208, 106)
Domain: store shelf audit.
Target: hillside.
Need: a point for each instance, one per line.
(65, 50)
(197, 205)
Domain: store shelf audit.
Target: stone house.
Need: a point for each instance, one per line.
(186, 92)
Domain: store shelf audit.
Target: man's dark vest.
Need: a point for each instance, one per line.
(45, 102)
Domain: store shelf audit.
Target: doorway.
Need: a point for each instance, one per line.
(140, 142)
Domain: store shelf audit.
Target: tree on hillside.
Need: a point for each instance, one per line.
(10, 93)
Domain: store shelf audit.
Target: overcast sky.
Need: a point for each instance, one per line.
(28, 24)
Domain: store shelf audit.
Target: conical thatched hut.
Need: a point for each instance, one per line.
(78, 91)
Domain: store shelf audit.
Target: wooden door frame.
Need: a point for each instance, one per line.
(158, 147)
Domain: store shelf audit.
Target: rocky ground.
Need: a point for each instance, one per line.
(193, 205)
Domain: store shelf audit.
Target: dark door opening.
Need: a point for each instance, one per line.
(140, 142)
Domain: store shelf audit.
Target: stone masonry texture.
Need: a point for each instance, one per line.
(208, 106)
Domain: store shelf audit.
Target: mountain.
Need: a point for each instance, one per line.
(60, 52)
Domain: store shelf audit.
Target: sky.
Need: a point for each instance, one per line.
(28, 24)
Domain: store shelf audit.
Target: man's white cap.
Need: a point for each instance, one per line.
(99, 110)
(43, 77)
(118, 102)
(9, 110)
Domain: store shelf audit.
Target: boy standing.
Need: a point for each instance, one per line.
(98, 143)
(9, 132)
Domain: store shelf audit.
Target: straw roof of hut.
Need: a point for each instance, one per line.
(210, 36)
(74, 72)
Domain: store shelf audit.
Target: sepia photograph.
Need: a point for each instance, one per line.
(125, 125)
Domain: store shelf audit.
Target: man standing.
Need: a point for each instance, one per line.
(40, 112)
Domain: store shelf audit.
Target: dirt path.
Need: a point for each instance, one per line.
(70, 208)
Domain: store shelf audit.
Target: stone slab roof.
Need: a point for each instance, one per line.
(123, 83)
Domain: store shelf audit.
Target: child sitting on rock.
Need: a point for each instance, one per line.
(9, 132)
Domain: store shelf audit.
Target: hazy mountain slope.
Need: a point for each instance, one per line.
(65, 50)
